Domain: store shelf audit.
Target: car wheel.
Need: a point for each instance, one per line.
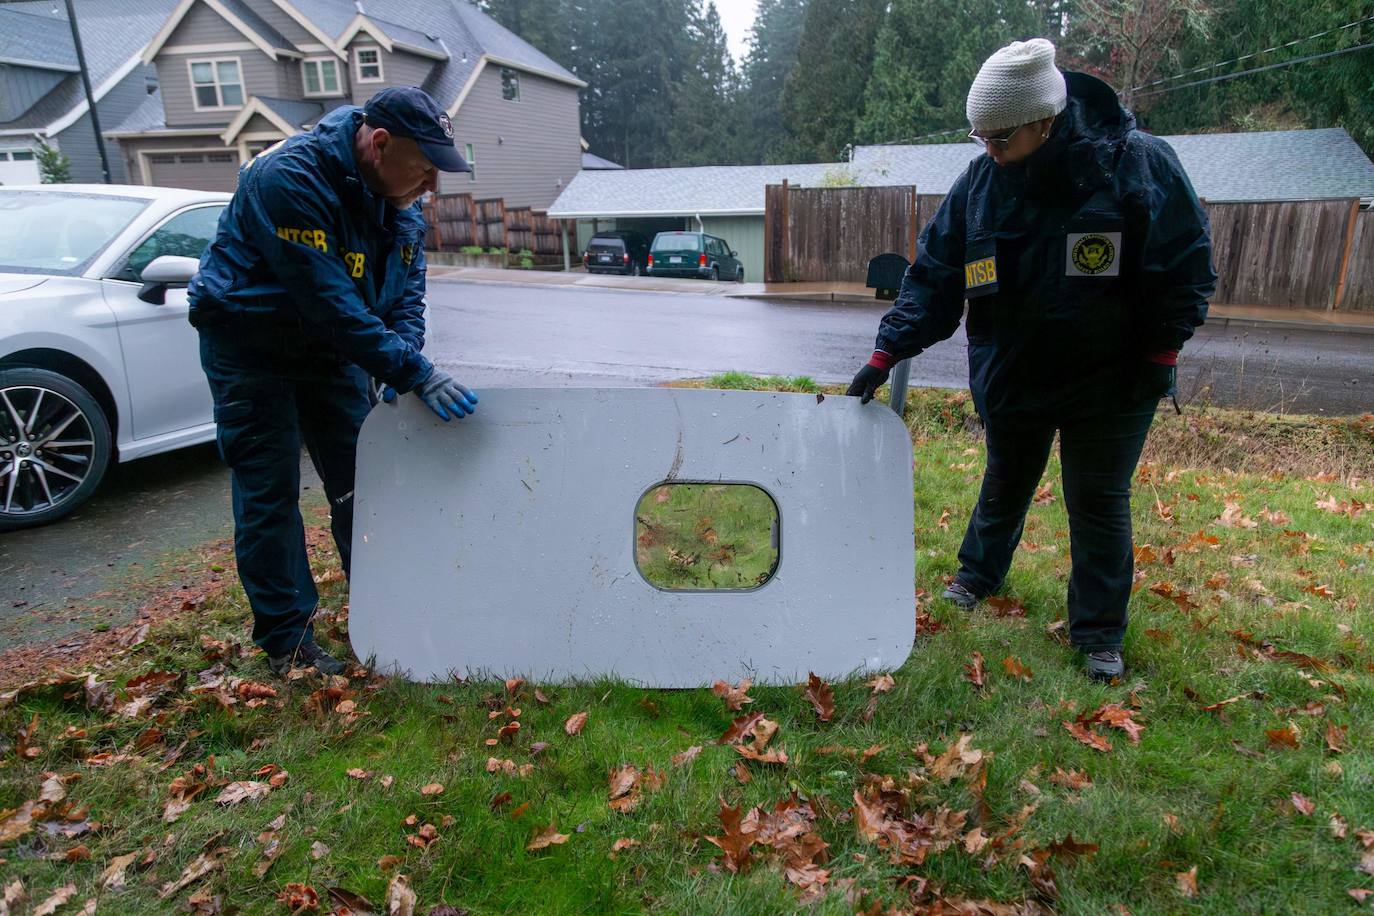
(54, 447)
(739, 275)
(715, 273)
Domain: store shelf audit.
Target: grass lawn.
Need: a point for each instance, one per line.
(1232, 770)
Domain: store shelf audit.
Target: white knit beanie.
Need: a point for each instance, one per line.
(1018, 84)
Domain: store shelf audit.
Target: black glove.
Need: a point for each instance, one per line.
(1153, 381)
(871, 377)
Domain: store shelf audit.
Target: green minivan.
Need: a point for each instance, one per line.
(694, 254)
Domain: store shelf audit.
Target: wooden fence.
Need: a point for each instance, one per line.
(1292, 254)
(459, 221)
(828, 234)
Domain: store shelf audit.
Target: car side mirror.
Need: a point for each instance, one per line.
(164, 272)
(734, 254)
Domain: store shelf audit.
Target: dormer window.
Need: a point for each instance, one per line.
(367, 65)
(321, 76)
(216, 83)
(510, 85)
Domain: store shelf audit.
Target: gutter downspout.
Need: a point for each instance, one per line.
(701, 227)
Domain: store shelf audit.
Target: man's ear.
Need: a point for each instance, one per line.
(380, 138)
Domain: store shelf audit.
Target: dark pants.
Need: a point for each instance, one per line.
(269, 399)
(1098, 456)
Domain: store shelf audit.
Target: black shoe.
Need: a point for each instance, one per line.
(307, 655)
(964, 599)
(1105, 666)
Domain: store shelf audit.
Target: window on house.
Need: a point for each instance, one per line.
(369, 65)
(321, 76)
(510, 85)
(4, 157)
(22, 155)
(216, 83)
(471, 156)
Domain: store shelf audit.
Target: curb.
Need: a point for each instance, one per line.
(1215, 319)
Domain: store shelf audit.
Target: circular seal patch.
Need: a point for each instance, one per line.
(446, 125)
(1093, 254)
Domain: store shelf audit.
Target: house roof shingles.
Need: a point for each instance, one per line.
(112, 33)
(261, 27)
(295, 112)
(1264, 165)
(735, 189)
(31, 34)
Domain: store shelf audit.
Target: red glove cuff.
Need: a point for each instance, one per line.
(881, 360)
(1164, 357)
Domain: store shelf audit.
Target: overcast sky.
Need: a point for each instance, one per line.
(736, 16)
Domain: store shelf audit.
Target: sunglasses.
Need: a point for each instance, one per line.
(1001, 141)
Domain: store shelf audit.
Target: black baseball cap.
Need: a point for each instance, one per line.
(406, 111)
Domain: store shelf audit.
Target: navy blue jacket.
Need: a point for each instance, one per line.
(305, 248)
(1076, 264)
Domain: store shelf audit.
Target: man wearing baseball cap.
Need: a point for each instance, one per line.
(314, 282)
(1085, 259)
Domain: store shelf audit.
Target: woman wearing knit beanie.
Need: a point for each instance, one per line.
(1084, 257)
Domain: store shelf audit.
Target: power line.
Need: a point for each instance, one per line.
(1202, 82)
(1283, 63)
(938, 133)
(1253, 54)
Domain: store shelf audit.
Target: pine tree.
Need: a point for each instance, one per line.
(703, 127)
(772, 56)
(54, 166)
(928, 53)
(823, 97)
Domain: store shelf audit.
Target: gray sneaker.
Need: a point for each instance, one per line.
(962, 598)
(1105, 665)
(307, 655)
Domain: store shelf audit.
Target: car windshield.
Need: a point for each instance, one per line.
(677, 241)
(59, 233)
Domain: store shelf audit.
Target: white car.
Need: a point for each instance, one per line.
(97, 360)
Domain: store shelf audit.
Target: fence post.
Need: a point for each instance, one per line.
(912, 229)
(1345, 257)
(567, 258)
(785, 254)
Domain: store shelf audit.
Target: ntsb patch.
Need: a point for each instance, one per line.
(1093, 254)
(982, 272)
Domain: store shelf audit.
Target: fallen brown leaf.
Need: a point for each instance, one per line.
(686, 756)
(400, 899)
(973, 672)
(245, 790)
(547, 837)
(198, 868)
(1072, 779)
(1090, 738)
(821, 697)
(432, 788)
(621, 845)
(734, 697)
(1015, 669)
(1187, 882)
(298, 897)
(576, 722)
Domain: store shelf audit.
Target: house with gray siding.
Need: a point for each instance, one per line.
(42, 100)
(237, 76)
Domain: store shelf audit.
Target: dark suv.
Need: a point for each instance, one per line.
(694, 254)
(619, 252)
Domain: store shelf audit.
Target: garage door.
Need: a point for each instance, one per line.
(18, 166)
(210, 171)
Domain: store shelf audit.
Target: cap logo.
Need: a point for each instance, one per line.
(446, 125)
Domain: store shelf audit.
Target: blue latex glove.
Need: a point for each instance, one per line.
(443, 395)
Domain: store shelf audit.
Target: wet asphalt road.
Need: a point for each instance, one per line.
(497, 335)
